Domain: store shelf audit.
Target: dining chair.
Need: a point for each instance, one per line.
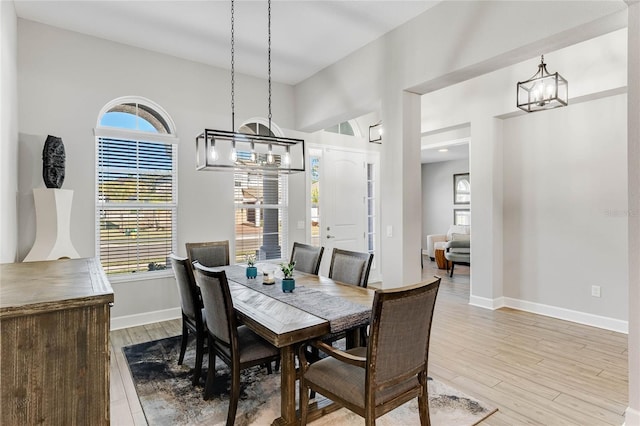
(192, 311)
(307, 257)
(210, 254)
(391, 370)
(235, 344)
(350, 267)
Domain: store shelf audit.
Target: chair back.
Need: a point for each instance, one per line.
(399, 334)
(350, 267)
(210, 254)
(218, 306)
(189, 298)
(307, 257)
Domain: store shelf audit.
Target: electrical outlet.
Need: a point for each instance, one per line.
(595, 290)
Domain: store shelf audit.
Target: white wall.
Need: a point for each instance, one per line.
(65, 78)
(565, 204)
(437, 195)
(632, 414)
(451, 42)
(8, 132)
(489, 100)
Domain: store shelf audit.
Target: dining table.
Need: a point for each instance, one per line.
(318, 306)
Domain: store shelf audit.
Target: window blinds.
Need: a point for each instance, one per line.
(136, 204)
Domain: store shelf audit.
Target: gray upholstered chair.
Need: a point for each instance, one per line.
(391, 370)
(236, 345)
(210, 254)
(350, 267)
(307, 257)
(192, 311)
(458, 253)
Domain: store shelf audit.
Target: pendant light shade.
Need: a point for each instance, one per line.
(220, 150)
(542, 91)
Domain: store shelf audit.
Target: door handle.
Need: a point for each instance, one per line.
(330, 236)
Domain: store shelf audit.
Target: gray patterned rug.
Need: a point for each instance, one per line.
(167, 397)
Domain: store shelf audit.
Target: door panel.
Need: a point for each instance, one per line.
(344, 189)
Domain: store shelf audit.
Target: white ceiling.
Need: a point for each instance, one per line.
(458, 151)
(307, 36)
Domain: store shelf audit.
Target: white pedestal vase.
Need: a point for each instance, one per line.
(53, 221)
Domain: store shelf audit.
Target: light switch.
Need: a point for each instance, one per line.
(301, 224)
(389, 231)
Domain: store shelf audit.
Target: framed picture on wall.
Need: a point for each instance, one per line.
(461, 189)
(462, 217)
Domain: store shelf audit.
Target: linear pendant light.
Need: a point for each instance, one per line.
(222, 150)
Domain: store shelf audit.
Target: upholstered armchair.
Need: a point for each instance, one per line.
(433, 239)
(458, 252)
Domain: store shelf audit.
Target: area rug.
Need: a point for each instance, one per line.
(168, 398)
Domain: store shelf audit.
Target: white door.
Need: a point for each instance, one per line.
(344, 189)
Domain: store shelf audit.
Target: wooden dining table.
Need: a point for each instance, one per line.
(285, 325)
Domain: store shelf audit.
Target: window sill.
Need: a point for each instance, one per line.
(140, 276)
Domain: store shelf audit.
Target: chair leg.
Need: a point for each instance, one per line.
(234, 397)
(451, 273)
(304, 403)
(183, 345)
(423, 404)
(197, 371)
(211, 374)
(277, 367)
(269, 369)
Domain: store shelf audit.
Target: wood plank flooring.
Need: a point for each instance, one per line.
(537, 370)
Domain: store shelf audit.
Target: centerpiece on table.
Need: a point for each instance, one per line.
(252, 271)
(288, 282)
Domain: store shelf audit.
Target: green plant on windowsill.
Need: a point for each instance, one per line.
(250, 259)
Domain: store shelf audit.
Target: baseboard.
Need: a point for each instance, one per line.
(631, 417)
(606, 323)
(483, 302)
(127, 321)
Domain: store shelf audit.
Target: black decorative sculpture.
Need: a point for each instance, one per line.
(53, 159)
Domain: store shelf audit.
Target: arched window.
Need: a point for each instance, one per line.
(136, 186)
(260, 207)
(349, 128)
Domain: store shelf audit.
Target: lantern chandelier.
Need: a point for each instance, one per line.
(222, 150)
(542, 91)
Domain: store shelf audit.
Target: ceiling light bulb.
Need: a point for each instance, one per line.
(234, 154)
(270, 156)
(212, 151)
(443, 150)
(286, 160)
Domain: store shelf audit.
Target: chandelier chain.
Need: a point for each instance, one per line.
(233, 80)
(269, 58)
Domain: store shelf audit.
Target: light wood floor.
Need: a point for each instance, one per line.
(537, 370)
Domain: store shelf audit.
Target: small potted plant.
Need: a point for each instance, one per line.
(288, 282)
(252, 271)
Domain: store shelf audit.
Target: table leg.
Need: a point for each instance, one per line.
(288, 388)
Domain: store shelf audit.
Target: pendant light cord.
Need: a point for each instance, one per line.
(269, 60)
(233, 80)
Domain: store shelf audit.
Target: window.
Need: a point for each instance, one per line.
(260, 210)
(136, 187)
(371, 209)
(344, 128)
(314, 160)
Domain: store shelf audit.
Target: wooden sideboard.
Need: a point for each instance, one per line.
(54, 333)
